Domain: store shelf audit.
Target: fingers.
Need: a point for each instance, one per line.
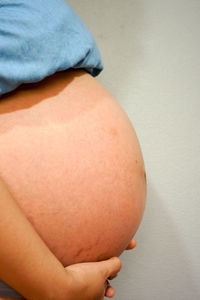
(111, 267)
(112, 277)
(109, 291)
(131, 245)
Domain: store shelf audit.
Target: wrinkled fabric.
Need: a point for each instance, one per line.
(41, 37)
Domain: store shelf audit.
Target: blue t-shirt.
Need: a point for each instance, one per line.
(41, 37)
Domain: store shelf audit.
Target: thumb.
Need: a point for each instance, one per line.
(110, 267)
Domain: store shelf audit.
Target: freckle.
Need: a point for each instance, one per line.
(136, 161)
(114, 131)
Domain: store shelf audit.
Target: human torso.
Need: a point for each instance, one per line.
(67, 159)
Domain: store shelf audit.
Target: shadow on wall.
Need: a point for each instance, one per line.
(159, 266)
(120, 44)
(116, 28)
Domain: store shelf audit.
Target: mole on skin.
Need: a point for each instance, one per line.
(72, 161)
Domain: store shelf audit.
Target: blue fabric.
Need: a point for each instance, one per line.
(41, 37)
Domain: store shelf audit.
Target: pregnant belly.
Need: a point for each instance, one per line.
(72, 161)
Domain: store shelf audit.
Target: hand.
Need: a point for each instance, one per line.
(131, 245)
(88, 281)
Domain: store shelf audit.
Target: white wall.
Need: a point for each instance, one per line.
(151, 54)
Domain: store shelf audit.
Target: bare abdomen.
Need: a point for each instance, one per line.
(72, 161)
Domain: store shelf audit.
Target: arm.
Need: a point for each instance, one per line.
(26, 263)
(30, 267)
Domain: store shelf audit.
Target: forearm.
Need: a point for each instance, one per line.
(26, 263)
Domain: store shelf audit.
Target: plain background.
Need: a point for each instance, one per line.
(151, 55)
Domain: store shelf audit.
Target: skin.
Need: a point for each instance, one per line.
(23, 252)
(79, 176)
(109, 291)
